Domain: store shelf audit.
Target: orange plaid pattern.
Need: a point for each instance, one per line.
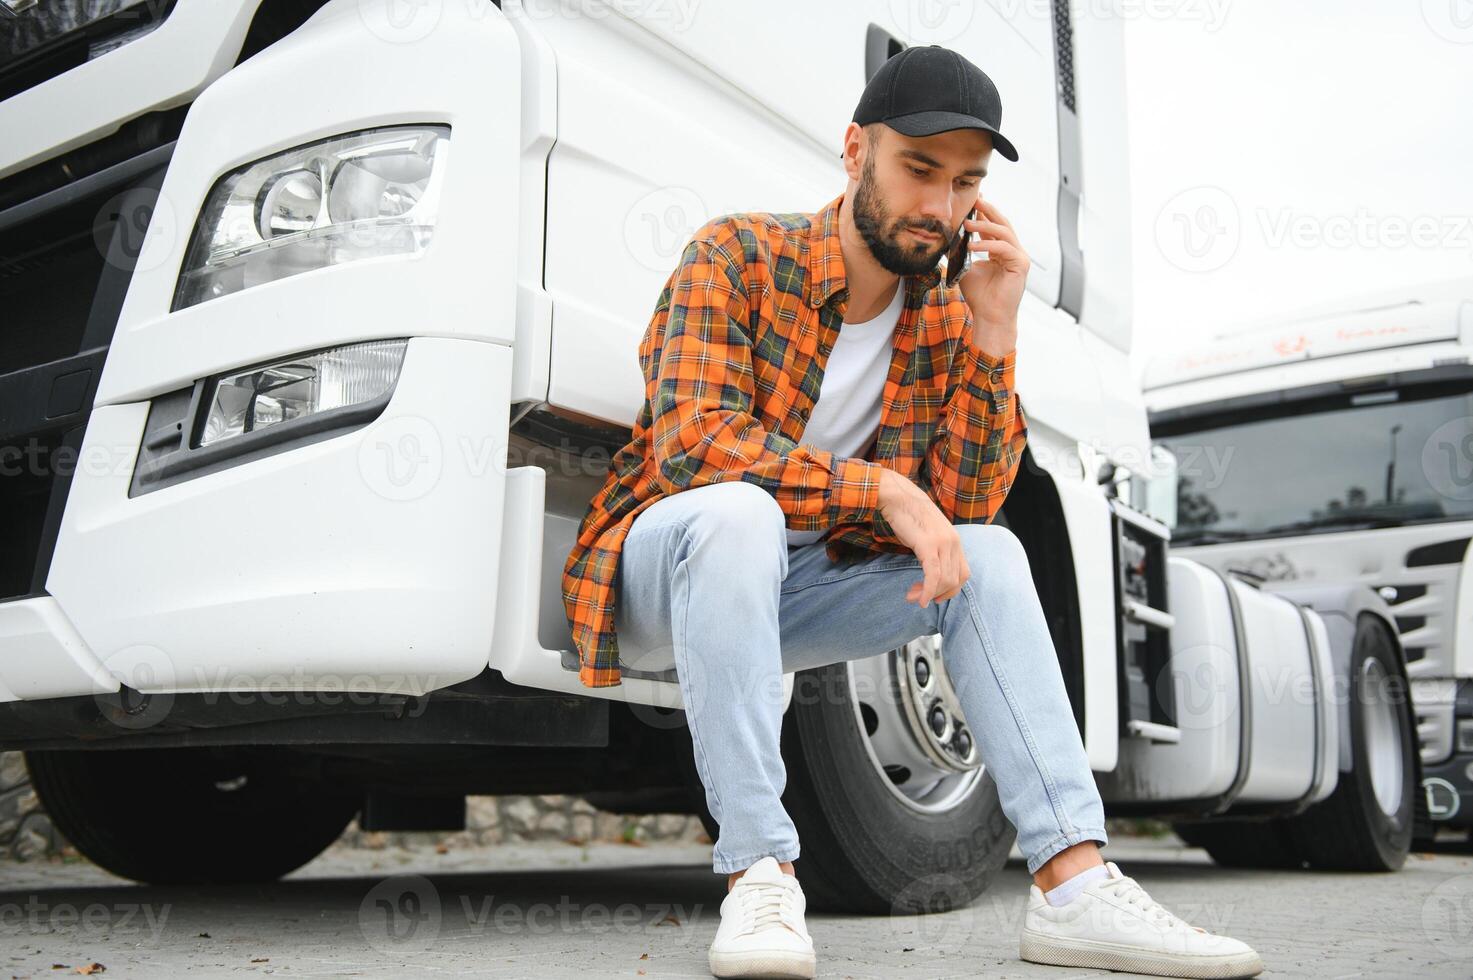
(732, 362)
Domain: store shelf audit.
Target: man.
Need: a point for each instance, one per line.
(718, 535)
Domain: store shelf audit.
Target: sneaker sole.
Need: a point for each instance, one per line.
(1037, 948)
(767, 964)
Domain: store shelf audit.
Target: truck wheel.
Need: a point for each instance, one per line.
(1242, 843)
(1366, 824)
(188, 816)
(886, 787)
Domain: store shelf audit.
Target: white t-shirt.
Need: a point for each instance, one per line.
(847, 412)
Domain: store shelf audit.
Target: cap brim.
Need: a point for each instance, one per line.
(931, 122)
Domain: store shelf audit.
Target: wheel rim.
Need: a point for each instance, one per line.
(1383, 737)
(913, 728)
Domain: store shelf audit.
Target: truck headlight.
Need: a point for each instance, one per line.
(365, 194)
(251, 400)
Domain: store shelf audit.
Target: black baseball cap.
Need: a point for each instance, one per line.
(927, 90)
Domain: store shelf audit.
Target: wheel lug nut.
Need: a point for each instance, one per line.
(938, 720)
(963, 743)
(922, 671)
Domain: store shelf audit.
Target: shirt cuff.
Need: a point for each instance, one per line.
(991, 363)
(855, 492)
(988, 371)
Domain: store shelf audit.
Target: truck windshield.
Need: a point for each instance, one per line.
(1373, 459)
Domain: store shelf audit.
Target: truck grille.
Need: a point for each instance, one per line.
(66, 256)
(1422, 609)
(40, 41)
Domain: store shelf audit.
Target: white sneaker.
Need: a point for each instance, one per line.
(762, 932)
(1114, 925)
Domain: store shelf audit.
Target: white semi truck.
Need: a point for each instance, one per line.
(1335, 446)
(320, 329)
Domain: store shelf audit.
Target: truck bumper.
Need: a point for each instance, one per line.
(368, 561)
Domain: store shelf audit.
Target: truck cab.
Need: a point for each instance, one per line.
(1331, 447)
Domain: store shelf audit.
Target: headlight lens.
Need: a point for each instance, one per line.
(366, 194)
(291, 389)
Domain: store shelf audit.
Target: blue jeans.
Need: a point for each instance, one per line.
(706, 579)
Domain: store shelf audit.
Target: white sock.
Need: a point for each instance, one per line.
(1066, 892)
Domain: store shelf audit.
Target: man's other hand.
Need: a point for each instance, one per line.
(921, 527)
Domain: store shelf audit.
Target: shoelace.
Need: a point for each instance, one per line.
(775, 908)
(1128, 889)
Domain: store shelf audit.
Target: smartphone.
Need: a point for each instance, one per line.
(960, 255)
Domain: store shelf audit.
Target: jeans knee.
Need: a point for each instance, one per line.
(994, 550)
(739, 517)
(739, 506)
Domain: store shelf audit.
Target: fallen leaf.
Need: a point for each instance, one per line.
(91, 968)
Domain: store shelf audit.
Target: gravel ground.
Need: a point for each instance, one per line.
(611, 910)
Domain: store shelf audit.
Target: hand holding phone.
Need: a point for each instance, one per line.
(993, 288)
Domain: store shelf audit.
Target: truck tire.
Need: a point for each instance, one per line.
(1367, 823)
(882, 831)
(1263, 844)
(188, 816)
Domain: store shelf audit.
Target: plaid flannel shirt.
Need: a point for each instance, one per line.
(732, 361)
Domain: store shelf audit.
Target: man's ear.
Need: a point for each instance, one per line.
(854, 145)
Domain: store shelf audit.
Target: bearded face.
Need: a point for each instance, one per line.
(887, 237)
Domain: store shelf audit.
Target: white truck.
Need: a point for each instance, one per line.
(300, 411)
(1335, 446)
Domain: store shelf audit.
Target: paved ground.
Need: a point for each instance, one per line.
(625, 911)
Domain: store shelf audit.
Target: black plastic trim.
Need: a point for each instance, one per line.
(1071, 165)
(879, 47)
(1440, 553)
(484, 710)
(83, 187)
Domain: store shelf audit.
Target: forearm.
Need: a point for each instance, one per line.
(701, 445)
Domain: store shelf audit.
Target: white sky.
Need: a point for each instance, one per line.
(1316, 148)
